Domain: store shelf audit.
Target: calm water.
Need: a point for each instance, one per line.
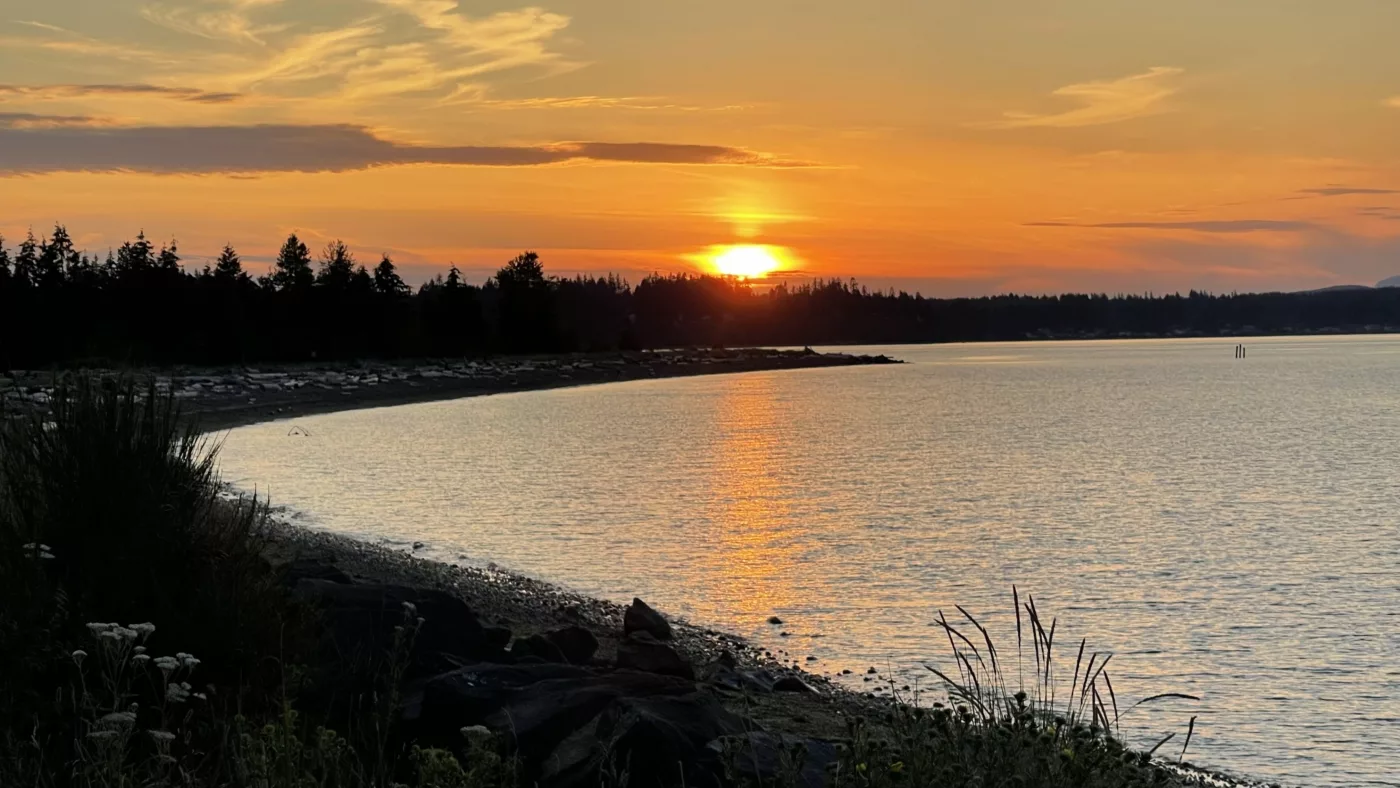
(1228, 528)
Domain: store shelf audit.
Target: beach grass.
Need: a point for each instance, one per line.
(147, 642)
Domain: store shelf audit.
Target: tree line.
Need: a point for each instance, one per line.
(140, 305)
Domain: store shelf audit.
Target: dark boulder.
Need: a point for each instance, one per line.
(497, 636)
(644, 653)
(537, 647)
(664, 740)
(547, 714)
(361, 621)
(577, 644)
(792, 684)
(311, 568)
(639, 617)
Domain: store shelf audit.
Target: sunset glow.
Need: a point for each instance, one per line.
(746, 262)
(949, 148)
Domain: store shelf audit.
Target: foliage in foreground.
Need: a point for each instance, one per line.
(110, 511)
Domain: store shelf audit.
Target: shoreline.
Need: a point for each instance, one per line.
(222, 398)
(743, 675)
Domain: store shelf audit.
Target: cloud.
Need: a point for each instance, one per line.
(59, 92)
(29, 120)
(1340, 191)
(325, 148)
(67, 42)
(1393, 102)
(228, 20)
(1108, 101)
(1224, 226)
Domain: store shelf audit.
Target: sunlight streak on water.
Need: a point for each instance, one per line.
(1230, 529)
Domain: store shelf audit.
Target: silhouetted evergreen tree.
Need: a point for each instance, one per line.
(387, 281)
(27, 262)
(293, 267)
(337, 266)
(228, 268)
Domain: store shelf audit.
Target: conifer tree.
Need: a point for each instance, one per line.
(337, 266)
(229, 266)
(387, 281)
(27, 262)
(293, 267)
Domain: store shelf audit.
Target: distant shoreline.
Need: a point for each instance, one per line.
(219, 399)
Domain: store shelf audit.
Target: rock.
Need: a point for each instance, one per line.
(774, 620)
(308, 568)
(661, 739)
(577, 644)
(497, 636)
(792, 684)
(639, 617)
(539, 647)
(644, 653)
(360, 619)
(549, 715)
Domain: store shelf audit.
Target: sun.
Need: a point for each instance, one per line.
(747, 261)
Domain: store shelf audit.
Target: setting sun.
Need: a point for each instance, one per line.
(748, 261)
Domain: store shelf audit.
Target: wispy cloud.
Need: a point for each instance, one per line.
(1101, 102)
(30, 120)
(68, 42)
(1221, 226)
(229, 20)
(477, 96)
(325, 148)
(1342, 191)
(60, 92)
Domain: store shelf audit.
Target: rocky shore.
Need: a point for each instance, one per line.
(576, 685)
(227, 397)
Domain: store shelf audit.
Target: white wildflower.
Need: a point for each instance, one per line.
(166, 664)
(109, 636)
(182, 656)
(477, 733)
(410, 608)
(102, 735)
(190, 662)
(45, 555)
(201, 696)
(140, 659)
(162, 736)
(117, 719)
(145, 629)
(125, 634)
(98, 628)
(38, 545)
(176, 694)
(139, 650)
(79, 656)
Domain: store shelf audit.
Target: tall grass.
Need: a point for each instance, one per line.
(1005, 729)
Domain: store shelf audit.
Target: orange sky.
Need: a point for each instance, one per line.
(948, 146)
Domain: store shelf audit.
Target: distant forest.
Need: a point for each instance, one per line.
(138, 305)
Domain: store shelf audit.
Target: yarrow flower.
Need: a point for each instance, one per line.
(162, 736)
(118, 719)
(167, 664)
(102, 735)
(140, 659)
(79, 656)
(98, 628)
(144, 630)
(176, 693)
(410, 608)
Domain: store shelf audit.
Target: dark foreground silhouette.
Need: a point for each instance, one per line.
(138, 305)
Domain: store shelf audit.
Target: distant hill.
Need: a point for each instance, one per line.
(1393, 281)
(1347, 288)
